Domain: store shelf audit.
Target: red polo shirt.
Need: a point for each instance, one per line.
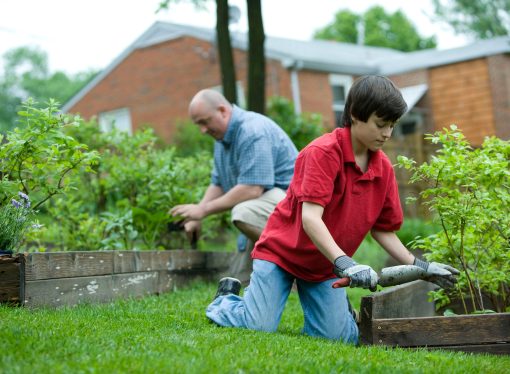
(354, 202)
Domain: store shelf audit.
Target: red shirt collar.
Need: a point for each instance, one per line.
(374, 164)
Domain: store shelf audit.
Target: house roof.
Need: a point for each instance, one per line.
(328, 56)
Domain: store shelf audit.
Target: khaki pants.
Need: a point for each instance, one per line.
(255, 212)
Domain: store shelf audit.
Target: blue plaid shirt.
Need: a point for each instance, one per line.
(254, 151)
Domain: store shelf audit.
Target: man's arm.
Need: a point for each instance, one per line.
(215, 201)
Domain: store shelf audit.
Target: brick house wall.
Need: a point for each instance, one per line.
(499, 72)
(461, 94)
(157, 82)
(316, 95)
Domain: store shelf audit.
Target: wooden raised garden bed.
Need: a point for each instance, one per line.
(401, 316)
(68, 278)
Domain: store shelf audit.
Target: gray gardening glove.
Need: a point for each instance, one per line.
(361, 275)
(442, 275)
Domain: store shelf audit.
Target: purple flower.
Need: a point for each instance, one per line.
(26, 198)
(16, 203)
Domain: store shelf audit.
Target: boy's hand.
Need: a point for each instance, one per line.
(361, 275)
(440, 274)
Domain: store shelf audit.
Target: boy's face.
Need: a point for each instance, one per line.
(371, 134)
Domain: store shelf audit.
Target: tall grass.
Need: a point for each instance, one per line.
(170, 334)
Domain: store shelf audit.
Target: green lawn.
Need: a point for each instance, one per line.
(170, 334)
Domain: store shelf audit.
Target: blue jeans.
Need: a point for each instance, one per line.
(325, 309)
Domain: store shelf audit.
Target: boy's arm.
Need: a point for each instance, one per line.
(360, 275)
(392, 244)
(441, 274)
(318, 233)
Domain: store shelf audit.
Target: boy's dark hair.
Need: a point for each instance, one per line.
(373, 94)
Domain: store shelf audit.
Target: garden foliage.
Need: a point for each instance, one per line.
(469, 192)
(125, 203)
(301, 128)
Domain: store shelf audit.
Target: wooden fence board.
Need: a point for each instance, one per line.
(440, 331)
(53, 265)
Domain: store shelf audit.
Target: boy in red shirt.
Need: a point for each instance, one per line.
(343, 187)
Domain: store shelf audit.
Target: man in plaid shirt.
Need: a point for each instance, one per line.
(253, 165)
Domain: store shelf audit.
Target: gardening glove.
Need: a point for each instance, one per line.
(442, 275)
(361, 275)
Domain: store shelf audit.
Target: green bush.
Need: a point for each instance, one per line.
(302, 128)
(125, 204)
(414, 228)
(188, 140)
(469, 191)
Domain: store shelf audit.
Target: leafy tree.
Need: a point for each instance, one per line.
(482, 18)
(382, 29)
(26, 74)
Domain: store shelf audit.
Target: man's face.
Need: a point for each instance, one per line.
(212, 121)
(373, 133)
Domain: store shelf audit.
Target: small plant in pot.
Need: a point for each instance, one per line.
(468, 190)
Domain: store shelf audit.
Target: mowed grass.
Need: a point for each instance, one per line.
(170, 334)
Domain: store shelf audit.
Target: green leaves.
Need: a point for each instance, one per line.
(381, 29)
(38, 158)
(469, 191)
(302, 129)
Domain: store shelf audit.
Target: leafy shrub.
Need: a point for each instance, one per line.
(124, 204)
(416, 228)
(469, 191)
(302, 128)
(188, 140)
(38, 158)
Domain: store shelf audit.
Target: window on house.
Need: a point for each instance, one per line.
(119, 119)
(340, 85)
(410, 123)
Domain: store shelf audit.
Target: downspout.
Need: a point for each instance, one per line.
(294, 66)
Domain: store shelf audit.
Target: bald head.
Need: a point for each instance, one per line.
(209, 98)
(211, 111)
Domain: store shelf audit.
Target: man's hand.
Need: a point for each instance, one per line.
(192, 229)
(442, 275)
(190, 212)
(361, 275)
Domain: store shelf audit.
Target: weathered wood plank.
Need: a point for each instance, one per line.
(53, 265)
(9, 281)
(102, 288)
(442, 331)
(218, 261)
(132, 261)
(406, 300)
(182, 260)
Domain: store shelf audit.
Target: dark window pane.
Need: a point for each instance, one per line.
(338, 94)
